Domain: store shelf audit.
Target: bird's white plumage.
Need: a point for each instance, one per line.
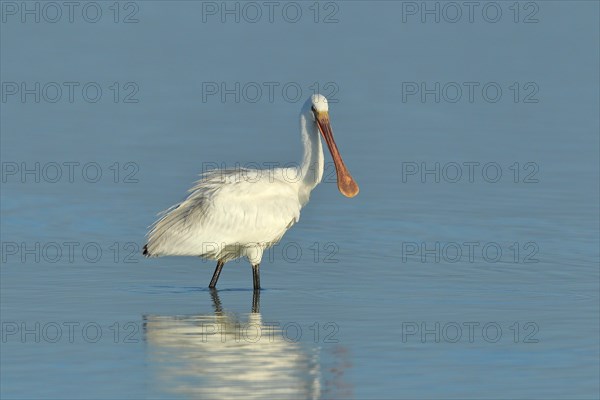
(229, 214)
(319, 102)
(239, 213)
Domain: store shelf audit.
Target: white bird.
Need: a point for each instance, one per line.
(240, 213)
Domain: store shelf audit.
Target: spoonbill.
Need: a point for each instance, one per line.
(228, 215)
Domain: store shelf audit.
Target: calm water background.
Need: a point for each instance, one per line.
(154, 315)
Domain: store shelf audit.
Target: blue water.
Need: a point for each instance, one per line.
(397, 293)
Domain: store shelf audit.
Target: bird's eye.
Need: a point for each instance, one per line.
(313, 109)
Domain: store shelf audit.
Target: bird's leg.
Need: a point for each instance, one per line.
(215, 278)
(256, 276)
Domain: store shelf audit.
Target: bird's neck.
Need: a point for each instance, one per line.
(311, 168)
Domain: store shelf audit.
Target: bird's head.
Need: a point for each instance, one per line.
(318, 107)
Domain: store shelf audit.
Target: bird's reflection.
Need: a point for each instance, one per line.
(223, 355)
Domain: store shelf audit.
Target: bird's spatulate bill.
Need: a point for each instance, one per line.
(346, 184)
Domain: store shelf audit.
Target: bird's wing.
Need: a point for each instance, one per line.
(225, 208)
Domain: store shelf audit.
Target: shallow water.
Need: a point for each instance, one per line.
(424, 286)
